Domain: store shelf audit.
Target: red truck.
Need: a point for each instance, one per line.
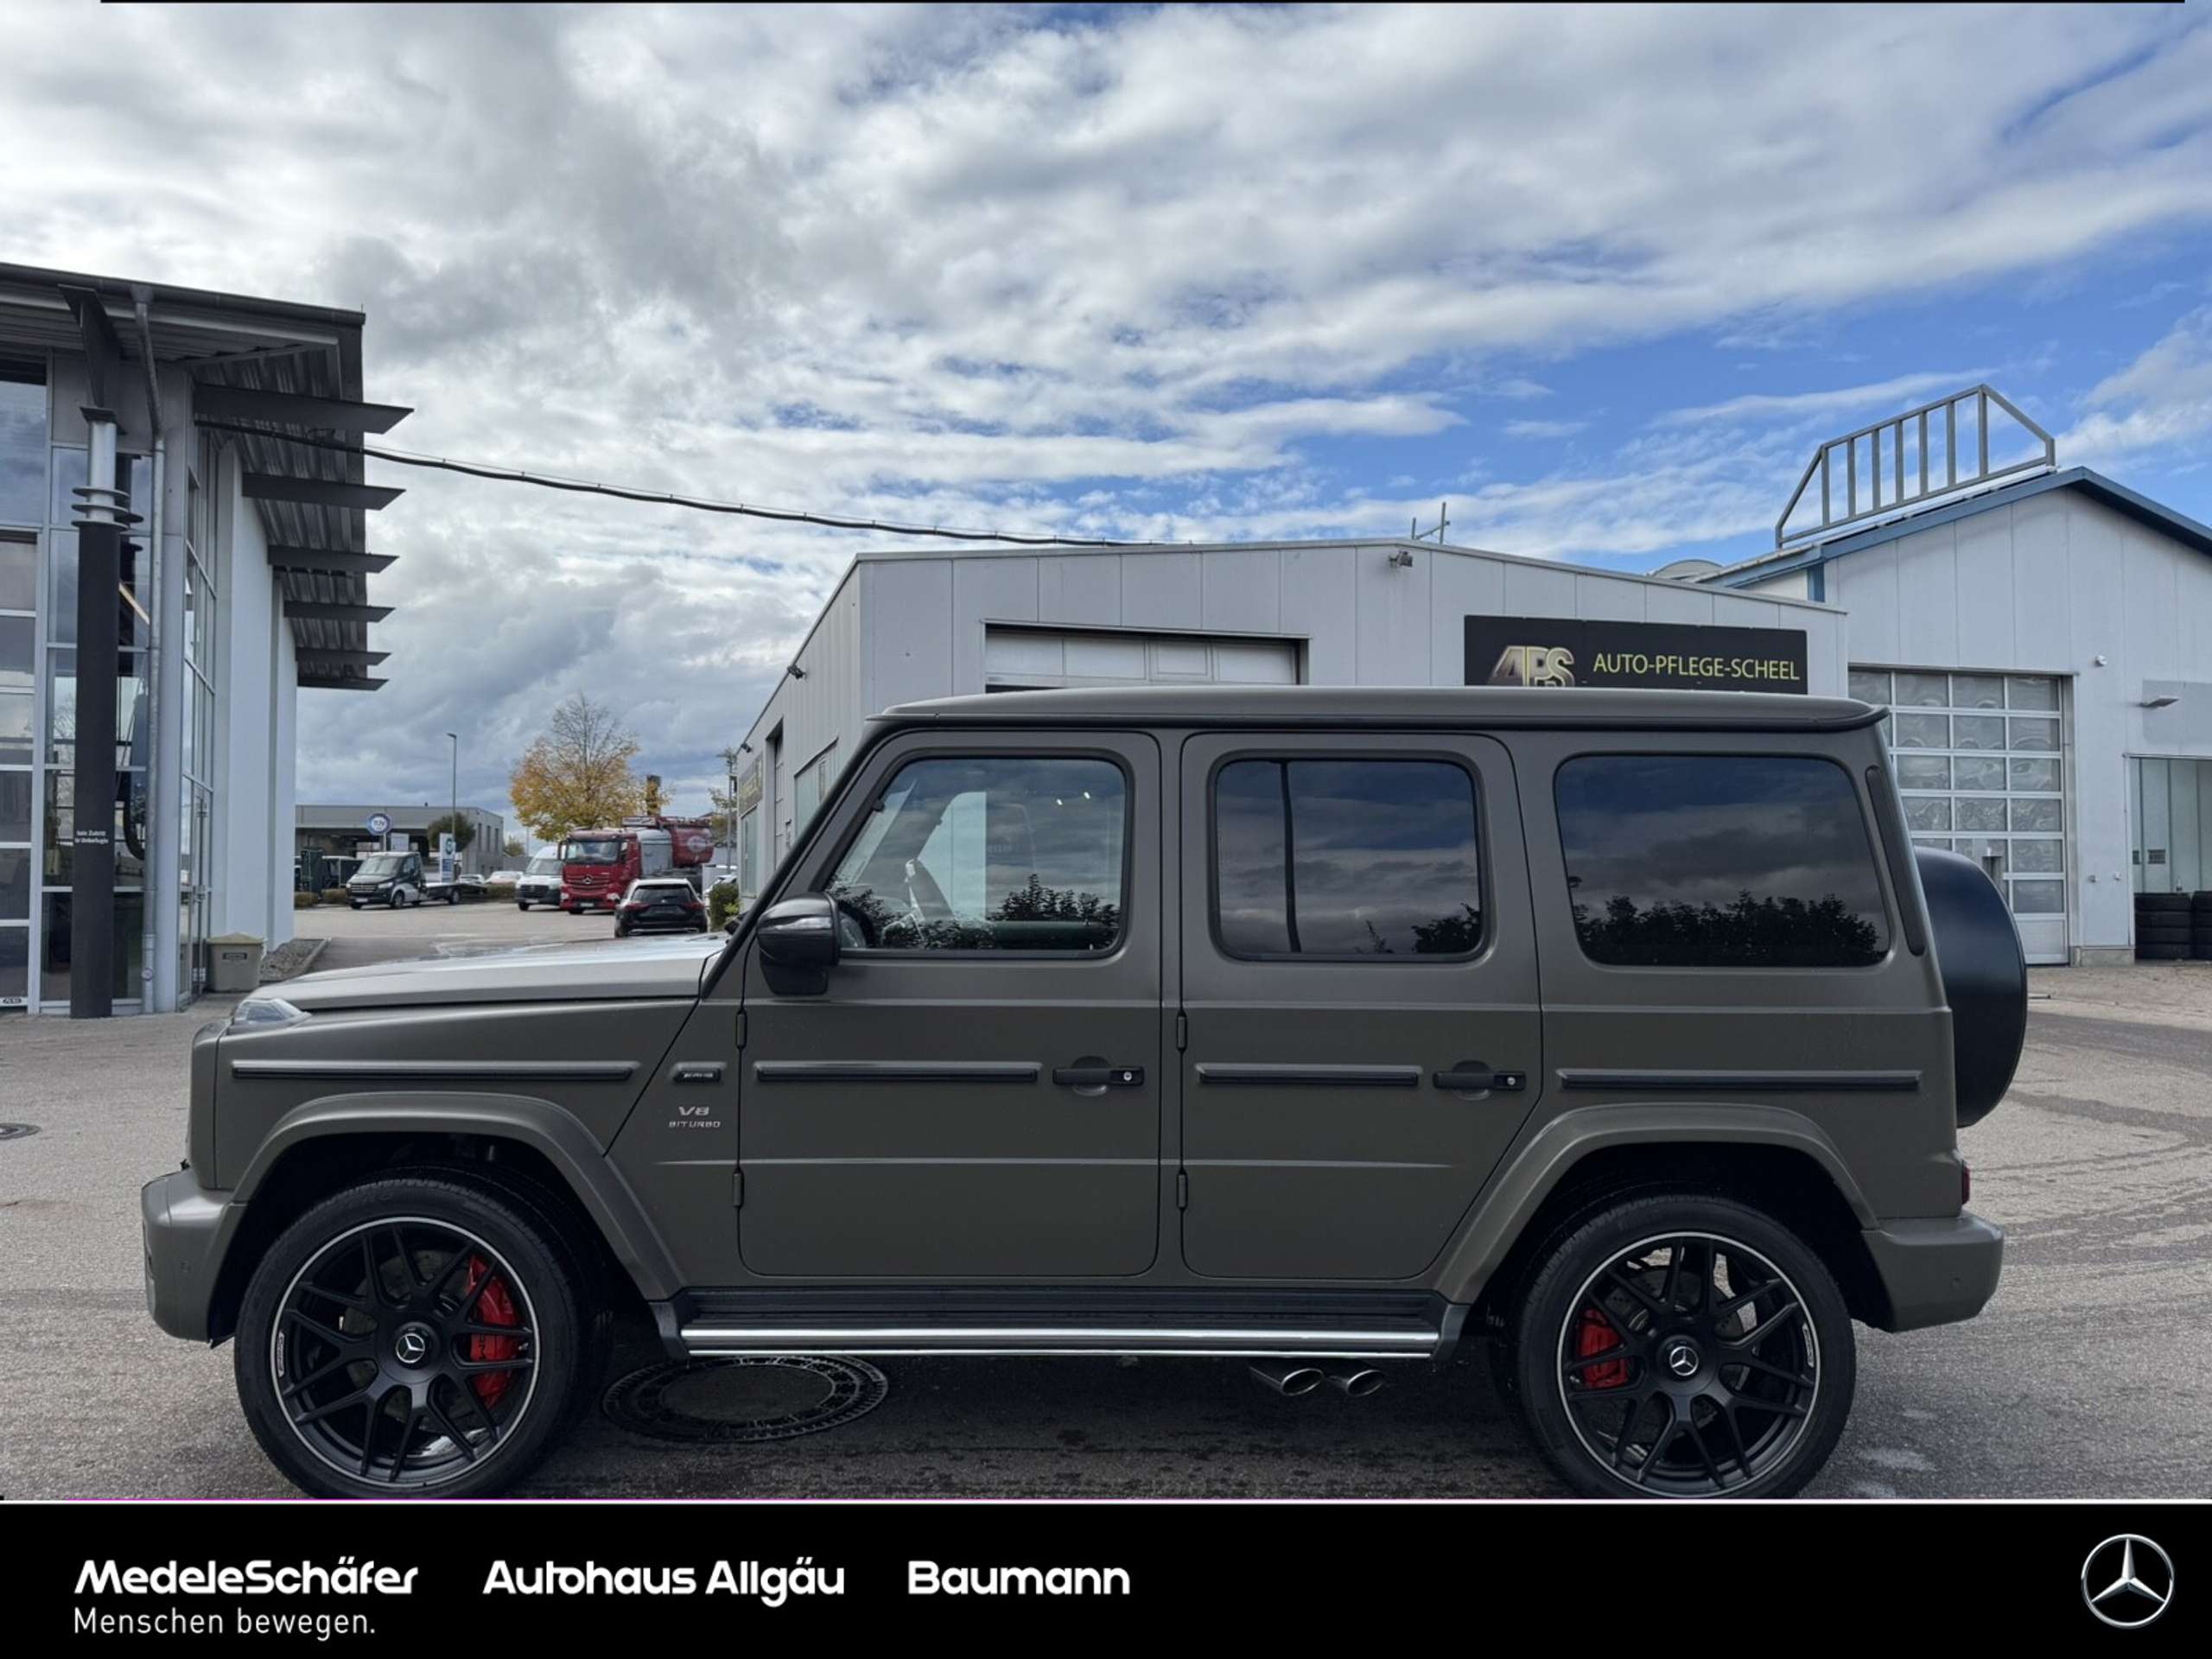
(598, 865)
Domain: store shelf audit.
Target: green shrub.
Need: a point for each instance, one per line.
(305, 900)
(334, 895)
(723, 901)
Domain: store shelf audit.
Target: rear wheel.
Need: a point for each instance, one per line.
(414, 1336)
(1680, 1345)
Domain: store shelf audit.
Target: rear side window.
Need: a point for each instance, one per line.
(1718, 861)
(1346, 858)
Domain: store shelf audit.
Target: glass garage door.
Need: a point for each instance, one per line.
(1979, 761)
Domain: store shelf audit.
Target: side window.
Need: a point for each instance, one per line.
(1345, 858)
(1719, 861)
(991, 853)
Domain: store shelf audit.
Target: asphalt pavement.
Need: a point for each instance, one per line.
(2090, 1375)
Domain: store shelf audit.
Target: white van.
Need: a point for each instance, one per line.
(541, 880)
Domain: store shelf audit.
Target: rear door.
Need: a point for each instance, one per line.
(1360, 992)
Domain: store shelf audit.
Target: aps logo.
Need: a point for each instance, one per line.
(1533, 665)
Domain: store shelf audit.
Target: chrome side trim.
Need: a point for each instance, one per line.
(440, 1070)
(1310, 1076)
(896, 1070)
(1800, 1083)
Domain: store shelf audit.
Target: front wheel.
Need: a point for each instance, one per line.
(416, 1336)
(1680, 1345)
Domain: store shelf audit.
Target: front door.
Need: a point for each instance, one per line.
(975, 1093)
(1359, 981)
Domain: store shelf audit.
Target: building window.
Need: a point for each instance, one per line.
(1345, 858)
(1717, 860)
(748, 855)
(22, 442)
(807, 789)
(990, 853)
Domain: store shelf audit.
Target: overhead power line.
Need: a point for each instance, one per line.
(658, 497)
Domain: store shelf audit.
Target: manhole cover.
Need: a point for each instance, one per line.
(17, 1131)
(745, 1398)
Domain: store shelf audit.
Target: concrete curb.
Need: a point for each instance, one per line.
(305, 963)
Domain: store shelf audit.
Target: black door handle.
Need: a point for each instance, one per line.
(1471, 1077)
(1098, 1077)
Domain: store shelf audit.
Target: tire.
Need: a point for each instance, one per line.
(522, 905)
(484, 1440)
(2160, 950)
(392, 903)
(2165, 933)
(2146, 901)
(1770, 1274)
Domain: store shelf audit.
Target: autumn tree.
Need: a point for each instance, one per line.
(575, 775)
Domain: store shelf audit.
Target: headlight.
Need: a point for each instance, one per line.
(264, 1012)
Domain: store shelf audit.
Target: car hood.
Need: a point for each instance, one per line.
(615, 970)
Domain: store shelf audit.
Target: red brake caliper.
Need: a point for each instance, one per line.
(1594, 1336)
(495, 1307)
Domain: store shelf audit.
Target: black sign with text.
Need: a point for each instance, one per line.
(621, 1577)
(1563, 651)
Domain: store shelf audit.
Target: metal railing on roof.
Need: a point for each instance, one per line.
(1877, 494)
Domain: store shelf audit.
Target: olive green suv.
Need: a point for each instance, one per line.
(1625, 1033)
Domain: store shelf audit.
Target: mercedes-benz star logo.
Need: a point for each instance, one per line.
(1682, 1360)
(2127, 1581)
(412, 1346)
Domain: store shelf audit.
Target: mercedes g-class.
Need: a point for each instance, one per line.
(1333, 1031)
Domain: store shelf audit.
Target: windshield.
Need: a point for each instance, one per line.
(592, 850)
(544, 864)
(379, 865)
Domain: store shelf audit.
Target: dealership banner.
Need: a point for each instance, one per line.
(1564, 651)
(632, 1578)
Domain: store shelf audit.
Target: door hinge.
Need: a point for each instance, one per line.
(1182, 1189)
(1182, 1031)
(740, 1028)
(737, 1190)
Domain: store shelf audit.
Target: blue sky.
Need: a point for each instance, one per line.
(1601, 278)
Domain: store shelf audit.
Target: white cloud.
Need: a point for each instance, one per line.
(1900, 390)
(2160, 405)
(1545, 429)
(1122, 272)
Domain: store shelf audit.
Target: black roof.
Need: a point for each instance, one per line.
(1477, 706)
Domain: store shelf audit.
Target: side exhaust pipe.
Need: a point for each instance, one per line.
(1358, 1381)
(1288, 1378)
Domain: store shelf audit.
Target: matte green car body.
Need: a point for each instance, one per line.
(888, 1161)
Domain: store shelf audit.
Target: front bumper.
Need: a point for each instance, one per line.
(1938, 1271)
(185, 1232)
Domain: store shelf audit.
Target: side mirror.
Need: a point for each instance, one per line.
(800, 933)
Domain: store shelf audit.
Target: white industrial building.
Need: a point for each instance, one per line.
(201, 451)
(2044, 636)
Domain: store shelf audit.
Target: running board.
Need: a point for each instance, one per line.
(703, 1342)
(1365, 1326)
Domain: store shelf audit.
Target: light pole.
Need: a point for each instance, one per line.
(453, 823)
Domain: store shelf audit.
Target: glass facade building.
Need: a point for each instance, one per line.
(233, 592)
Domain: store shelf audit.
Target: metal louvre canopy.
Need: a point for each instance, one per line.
(265, 372)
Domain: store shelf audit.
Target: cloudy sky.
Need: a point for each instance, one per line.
(1601, 278)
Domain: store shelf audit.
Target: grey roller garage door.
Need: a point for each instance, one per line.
(1980, 762)
(1036, 658)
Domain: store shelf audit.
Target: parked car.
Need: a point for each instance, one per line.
(389, 879)
(1323, 1031)
(540, 882)
(503, 882)
(659, 903)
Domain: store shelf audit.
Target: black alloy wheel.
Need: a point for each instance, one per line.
(1687, 1347)
(404, 1350)
(413, 1338)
